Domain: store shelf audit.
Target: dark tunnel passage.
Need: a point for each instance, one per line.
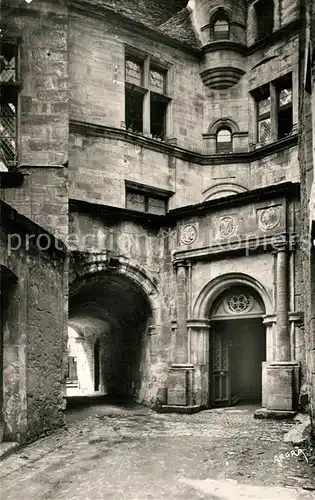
(109, 316)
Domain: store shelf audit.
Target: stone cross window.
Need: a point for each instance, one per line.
(9, 90)
(146, 99)
(274, 110)
(145, 202)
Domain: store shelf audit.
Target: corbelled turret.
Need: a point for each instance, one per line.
(220, 28)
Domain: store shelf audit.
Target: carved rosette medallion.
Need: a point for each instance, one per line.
(188, 234)
(227, 226)
(269, 218)
(239, 303)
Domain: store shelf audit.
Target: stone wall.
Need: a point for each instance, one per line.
(306, 159)
(97, 75)
(34, 330)
(42, 31)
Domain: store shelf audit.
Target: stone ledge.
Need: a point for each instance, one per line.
(179, 409)
(274, 414)
(7, 449)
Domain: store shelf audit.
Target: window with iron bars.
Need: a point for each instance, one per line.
(146, 100)
(9, 89)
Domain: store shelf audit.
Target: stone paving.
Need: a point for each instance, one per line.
(117, 453)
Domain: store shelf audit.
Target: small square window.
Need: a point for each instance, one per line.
(157, 80)
(135, 201)
(134, 72)
(157, 206)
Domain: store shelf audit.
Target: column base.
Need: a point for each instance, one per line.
(180, 386)
(274, 414)
(280, 386)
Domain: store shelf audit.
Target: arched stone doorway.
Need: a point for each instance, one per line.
(237, 347)
(109, 319)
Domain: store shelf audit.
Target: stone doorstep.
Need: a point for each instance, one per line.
(274, 414)
(179, 409)
(7, 449)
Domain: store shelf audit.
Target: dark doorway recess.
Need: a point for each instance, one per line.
(238, 349)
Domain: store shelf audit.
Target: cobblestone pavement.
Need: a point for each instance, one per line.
(114, 453)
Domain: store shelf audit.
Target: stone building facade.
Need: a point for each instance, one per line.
(163, 146)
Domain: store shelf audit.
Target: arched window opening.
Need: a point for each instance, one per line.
(220, 27)
(224, 140)
(264, 17)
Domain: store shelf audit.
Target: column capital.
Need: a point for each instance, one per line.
(180, 263)
(201, 323)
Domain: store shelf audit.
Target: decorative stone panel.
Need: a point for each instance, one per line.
(189, 234)
(270, 218)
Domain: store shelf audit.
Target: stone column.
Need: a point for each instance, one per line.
(181, 346)
(282, 341)
(280, 375)
(180, 386)
(199, 355)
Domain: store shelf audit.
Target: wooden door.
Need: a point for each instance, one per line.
(221, 383)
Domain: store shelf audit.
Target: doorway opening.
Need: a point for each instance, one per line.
(237, 349)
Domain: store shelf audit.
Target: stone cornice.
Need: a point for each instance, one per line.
(224, 45)
(244, 246)
(287, 189)
(95, 130)
(115, 213)
(99, 11)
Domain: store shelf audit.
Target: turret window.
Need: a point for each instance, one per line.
(224, 140)
(220, 27)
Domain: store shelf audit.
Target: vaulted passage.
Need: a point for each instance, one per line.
(107, 337)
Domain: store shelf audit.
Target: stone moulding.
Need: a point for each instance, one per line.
(221, 78)
(87, 129)
(252, 245)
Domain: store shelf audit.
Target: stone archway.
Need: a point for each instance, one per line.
(206, 312)
(218, 285)
(113, 305)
